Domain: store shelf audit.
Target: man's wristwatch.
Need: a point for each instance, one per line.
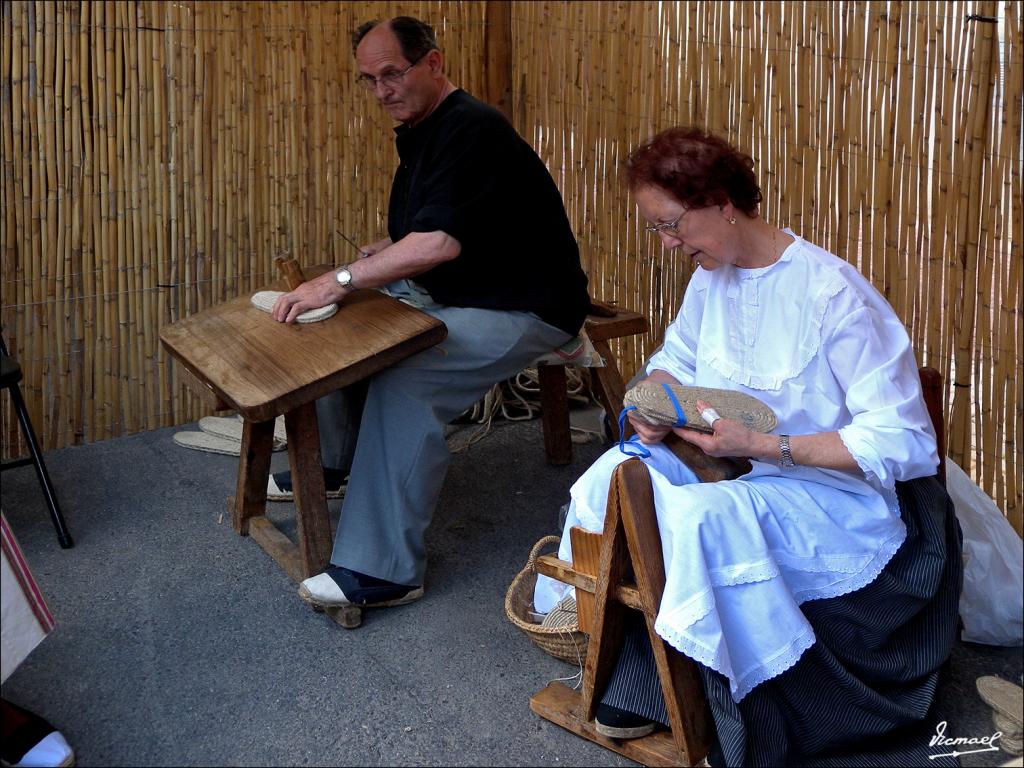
(785, 454)
(344, 278)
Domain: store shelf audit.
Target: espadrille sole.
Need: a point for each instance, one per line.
(1004, 697)
(276, 494)
(202, 441)
(231, 429)
(265, 301)
(654, 405)
(309, 598)
(624, 733)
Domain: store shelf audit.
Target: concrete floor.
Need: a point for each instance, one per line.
(181, 643)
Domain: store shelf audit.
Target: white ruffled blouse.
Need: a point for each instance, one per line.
(811, 338)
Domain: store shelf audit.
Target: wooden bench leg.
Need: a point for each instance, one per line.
(554, 406)
(608, 386)
(314, 522)
(250, 499)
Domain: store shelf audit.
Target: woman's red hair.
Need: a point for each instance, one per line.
(696, 168)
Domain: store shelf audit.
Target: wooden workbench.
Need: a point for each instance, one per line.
(239, 357)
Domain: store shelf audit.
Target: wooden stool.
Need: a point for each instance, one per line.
(623, 569)
(601, 326)
(618, 570)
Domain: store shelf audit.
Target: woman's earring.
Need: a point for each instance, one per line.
(732, 219)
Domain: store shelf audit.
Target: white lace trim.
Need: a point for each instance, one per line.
(846, 444)
(808, 347)
(746, 573)
(589, 519)
(867, 574)
(743, 684)
(887, 492)
(781, 662)
(822, 563)
(673, 627)
(696, 651)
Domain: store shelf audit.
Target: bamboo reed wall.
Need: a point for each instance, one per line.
(157, 155)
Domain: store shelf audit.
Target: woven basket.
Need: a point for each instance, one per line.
(565, 642)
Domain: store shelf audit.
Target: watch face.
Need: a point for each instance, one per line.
(343, 276)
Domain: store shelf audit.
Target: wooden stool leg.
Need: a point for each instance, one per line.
(687, 708)
(630, 549)
(314, 523)
(586, 559)
(250, 498)
(608, 386)
(609, 616)
(554, 406)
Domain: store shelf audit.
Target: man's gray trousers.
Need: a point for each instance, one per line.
(394, 444)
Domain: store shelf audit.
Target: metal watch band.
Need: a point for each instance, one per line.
(786, 455)
(345, 283)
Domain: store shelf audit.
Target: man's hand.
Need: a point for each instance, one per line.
(312, 294)
(371, 248)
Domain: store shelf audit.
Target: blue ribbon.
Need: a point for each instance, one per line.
(680, 416)
(633, 446)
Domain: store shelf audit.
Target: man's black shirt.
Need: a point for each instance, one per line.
(465, 171)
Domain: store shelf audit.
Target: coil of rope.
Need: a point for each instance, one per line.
(515, 399)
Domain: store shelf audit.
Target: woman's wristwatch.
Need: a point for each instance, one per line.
(785, 454)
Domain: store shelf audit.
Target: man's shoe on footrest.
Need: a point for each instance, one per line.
(619, 724)
(279, 486)
(337, 587)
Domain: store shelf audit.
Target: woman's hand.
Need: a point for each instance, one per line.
(729, 438)
(648, 433)
(312, 294)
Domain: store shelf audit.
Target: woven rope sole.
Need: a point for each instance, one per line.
(280, 433)
(201, 441)
(563, 615)
(1007, 702)
(265, 300)
(231, 429)
(655, 406)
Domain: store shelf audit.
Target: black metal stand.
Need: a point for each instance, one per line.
(10, 375)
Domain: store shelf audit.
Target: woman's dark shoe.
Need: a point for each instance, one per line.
(619, 724)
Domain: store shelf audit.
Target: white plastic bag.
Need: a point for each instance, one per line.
(991, 603)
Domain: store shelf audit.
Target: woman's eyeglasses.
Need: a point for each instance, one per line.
(669, 227)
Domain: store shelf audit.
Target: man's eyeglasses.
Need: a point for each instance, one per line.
(669, 227)
(390, 78)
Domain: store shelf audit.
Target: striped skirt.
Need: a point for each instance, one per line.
(861, 694)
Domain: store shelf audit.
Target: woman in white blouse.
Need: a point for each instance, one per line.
(817, 518)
